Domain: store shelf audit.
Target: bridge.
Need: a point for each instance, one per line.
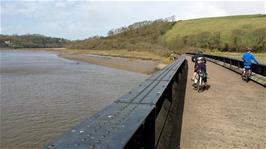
(231, 114)
(165, 112)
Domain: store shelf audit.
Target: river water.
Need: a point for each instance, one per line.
(43, 95)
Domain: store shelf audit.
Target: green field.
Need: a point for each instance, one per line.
(235, 31)
(220, 24)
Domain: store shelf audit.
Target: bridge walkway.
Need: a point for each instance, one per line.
(230, 114)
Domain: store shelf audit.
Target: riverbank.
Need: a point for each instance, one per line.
(136, 61)
(135, 65)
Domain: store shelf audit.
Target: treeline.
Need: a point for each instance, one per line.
(31, 41)
(138, 36)
(237, 41)
(138, 25)
(232, 33)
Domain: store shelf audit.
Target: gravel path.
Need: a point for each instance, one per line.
(230, 115)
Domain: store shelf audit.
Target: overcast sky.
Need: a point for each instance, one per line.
(83, 19)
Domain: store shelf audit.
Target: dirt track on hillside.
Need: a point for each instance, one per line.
(231, 114)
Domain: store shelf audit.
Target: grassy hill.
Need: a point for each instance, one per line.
(230, 33)
(224, 33)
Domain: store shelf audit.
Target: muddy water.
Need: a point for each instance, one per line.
(43, 95)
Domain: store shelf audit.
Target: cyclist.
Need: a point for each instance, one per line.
(248, 58)
(194, 59)
(201, 65)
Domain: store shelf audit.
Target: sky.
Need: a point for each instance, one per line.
(71, 19)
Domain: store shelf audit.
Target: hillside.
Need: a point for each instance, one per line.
(231, 33)
(140, 36)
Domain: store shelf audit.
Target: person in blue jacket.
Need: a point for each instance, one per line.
(248, 58)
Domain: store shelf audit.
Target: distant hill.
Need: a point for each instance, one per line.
(230, 33)
(138, 36)
(30, 41)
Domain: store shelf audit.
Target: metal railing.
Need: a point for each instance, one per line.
(236, 64)
(149, 116)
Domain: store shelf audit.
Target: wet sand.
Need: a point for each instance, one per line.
(129, 64)
(133, 64)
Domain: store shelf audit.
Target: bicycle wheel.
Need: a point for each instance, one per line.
(199, 84)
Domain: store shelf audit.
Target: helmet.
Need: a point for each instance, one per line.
(249, 49)
(200, 58)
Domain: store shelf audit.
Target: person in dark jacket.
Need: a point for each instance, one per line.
(201, 66)
(194, 59)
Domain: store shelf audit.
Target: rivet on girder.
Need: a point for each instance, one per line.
(110, 116)
(50, 146)
(77, 144)
(81, 131)
(73, 130)
(98, 141)
(158, 93)
(103, 136)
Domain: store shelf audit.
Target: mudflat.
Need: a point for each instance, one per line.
(135, 65)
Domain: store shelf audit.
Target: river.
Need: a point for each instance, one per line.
(43, 95)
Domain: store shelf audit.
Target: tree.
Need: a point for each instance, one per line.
(260, 39)
(237, 35)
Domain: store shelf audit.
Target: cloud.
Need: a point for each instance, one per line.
(82, 19)
(201, 10)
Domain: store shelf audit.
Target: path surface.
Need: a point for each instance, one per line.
(230, 115)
